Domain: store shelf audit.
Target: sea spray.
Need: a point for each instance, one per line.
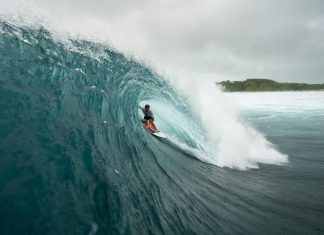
(230, 141)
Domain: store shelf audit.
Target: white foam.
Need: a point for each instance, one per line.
(231, 143)
(272, 102)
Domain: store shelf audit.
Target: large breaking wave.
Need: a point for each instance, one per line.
(70, 127)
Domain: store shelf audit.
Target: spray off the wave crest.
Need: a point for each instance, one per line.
(230, 142)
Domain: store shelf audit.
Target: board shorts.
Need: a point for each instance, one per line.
(148, 117)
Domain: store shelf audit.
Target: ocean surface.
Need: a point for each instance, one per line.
(74, 158)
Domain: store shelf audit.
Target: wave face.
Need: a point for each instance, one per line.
(76, 160)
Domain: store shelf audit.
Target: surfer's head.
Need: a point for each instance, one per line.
(147, 107)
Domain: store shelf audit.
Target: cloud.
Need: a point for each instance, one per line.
(225, 39)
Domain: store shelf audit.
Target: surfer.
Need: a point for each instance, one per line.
(148, 118)
(148, 114)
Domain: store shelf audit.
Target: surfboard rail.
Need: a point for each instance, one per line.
(159, 134)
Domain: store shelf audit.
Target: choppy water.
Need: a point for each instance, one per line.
(74, 159)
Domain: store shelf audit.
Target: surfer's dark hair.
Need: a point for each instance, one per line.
(147, 106)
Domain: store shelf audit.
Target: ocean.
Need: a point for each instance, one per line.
(75, 158)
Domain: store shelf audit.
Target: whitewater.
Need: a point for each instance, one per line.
(75, 158)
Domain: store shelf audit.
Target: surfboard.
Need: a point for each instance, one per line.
(159, 134)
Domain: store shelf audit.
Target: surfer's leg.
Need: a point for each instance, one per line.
(152, 122)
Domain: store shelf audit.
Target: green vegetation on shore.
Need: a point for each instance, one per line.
(256, 84)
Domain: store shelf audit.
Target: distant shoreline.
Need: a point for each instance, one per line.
(264, 85)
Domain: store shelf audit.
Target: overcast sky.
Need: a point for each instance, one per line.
(203, 39)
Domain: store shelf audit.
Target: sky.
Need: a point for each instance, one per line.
(198, 39)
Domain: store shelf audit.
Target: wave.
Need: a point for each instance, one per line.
(85, 72)
(70, 127)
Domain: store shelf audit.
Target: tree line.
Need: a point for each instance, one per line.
(256, 84)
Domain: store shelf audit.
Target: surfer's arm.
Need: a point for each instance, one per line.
(141, 108)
